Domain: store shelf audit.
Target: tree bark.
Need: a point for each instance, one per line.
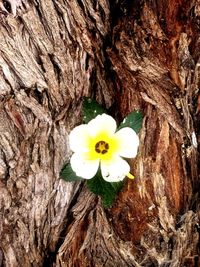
(127, 55)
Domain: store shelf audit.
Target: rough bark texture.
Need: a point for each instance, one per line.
(128, 55)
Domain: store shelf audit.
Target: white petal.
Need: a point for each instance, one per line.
(78, 138)
(114, 171)
(82, 167)
(128, 142)
(102, 123)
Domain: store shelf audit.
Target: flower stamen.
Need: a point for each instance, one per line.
(102, 147)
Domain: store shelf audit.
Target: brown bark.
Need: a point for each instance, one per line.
(128, 55)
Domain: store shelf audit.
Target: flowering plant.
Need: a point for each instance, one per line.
(99, 150)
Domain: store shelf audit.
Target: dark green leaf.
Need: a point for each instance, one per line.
(106, 190)
(133, 120)
(68, 174)
(91, 109)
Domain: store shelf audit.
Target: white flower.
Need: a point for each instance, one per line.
(98, 144)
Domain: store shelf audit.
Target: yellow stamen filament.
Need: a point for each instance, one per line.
(130, 176)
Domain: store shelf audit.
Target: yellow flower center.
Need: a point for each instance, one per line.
(102, 147)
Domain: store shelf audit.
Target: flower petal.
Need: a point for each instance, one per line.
(78, 138)
(115, 170)
(102, 123)
(82, 167)
(128, 142)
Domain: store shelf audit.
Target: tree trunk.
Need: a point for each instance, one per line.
(127, 55)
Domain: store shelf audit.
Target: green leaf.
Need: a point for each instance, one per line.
(106, 190)
(68, 174)
(133, 120)
(91, 109)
